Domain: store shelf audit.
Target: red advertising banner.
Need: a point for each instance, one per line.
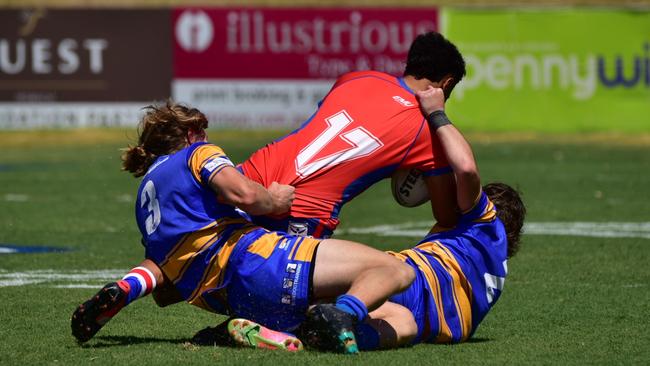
(296, 43)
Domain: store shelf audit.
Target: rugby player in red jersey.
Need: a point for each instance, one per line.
(368, 126)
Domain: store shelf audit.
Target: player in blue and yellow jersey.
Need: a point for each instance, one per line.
(195, 239)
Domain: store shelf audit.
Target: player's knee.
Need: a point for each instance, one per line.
(403, 274)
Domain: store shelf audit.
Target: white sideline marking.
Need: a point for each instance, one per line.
(78, 285)
(590, 229)
(16, 197)
(84, 278)
(70, 278)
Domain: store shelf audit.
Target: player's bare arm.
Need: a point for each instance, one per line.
(442, 192)
(458, 151)
(237, 190)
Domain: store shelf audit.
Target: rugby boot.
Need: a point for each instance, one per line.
(214, 336)
(329, 328)
(93, 314)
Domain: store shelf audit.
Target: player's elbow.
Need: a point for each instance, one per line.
(466, 168)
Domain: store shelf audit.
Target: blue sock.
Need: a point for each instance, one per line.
(139, 282)
(352, 305)
(367, 337)
(135, 288)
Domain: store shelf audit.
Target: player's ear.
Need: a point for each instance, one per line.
(447, 84)
(196, 136)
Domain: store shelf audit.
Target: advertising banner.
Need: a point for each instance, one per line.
(552, 70)
(270, 67)
(82, 67)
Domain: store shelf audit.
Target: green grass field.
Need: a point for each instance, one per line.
(569, 299)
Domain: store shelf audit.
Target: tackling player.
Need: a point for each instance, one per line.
(219, 261)
(367, 126)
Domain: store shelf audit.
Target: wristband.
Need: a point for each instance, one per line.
(438, 119)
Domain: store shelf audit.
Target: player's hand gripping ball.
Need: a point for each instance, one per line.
(409, 188)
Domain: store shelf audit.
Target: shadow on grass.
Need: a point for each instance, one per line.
(116, 341)
(478, 340)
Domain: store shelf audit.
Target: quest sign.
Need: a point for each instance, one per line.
(270, 67)
(82, 67)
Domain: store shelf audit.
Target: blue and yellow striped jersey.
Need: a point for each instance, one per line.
(185, 230)
(459, 275)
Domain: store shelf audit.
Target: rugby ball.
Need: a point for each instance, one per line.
(409, 188)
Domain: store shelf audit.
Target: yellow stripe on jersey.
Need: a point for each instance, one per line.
(201, 156)
(183, 240)
(189, 247)
(489, 214)
(461, 289)
(198, 301)
(444, 334)
(213, 275)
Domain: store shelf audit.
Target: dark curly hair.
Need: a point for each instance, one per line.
(162, 130)
(510, 210)
(432, 57)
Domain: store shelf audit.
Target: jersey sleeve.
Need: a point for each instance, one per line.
(206, 161)
(426, 154)
(483, 210)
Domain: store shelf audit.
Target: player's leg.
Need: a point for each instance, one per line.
(353, 269)
(93, 314)
(389, 326)
(363, 278)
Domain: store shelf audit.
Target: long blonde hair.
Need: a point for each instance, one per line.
(162, 130)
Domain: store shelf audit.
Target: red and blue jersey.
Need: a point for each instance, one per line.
(459, 276)
(367, 126)
(185, 230)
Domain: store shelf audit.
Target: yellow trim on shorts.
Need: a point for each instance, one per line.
(265, 245)
(305, 252)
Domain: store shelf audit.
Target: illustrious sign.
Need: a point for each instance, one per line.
(80, 63)
(270, 67)
(553, 70)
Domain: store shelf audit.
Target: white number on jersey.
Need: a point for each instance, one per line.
(362, 143)
(148, 198)
(493, 283)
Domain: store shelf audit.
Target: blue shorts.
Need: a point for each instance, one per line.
(270, 281)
